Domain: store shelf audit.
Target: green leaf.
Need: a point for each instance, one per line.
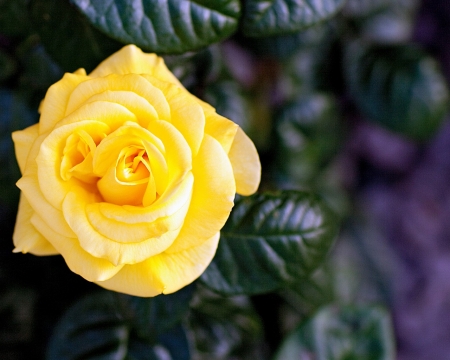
(224, 328)
(68, 37)
(163, 310)
(98, 327)
(309, 133)
(399, 87)
(164, 26)
(342, 333)
(276, 17)
(270, 240)
(309, 294)
(282, 47)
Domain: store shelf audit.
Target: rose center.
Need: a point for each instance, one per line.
(133, 166)
(130, 180)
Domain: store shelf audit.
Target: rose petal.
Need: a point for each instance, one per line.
(131, 82)
(131, 60)
(128, 233)
(167, 205)
(130, 135)
(221, 129)
(74, 209)
(186, 113)
(78, 260)
(112, 114)
(53, 107)
(52, 216)
(26, 238)
(178, 154)
(245, 162)
(164, 273)
(53, 187)
(212, 196)
(139, 106)
(23, 141)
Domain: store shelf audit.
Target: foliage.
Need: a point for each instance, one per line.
(299, 77)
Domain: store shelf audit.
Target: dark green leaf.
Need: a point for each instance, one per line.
(309, 294)
(309, 133)
(342, 333)
(164, 310)
(284, 46)
(270, 240)
(224, 328)
(98, 327)
(164, 26)
(68, 37)
(399, 87)
(276, 17)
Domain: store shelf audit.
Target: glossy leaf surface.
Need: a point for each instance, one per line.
(399, 87)
(164, 26)
(275, 17)
(308, 132)
(270, 240)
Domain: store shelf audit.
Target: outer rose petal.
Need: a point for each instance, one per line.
(52, 216)
(23, 141)
(131, 60)
(245, 162)
(221, 129)
(78, 260)
(164, 273)
(115, 251)
(187, 114)
(130, 82)
(140, 107)
(212, 196)
(26, 238)
(55, 102)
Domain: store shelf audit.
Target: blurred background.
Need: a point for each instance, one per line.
(354, 108)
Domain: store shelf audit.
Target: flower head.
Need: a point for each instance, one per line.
(129, 176)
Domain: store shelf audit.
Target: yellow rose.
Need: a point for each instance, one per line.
(129, 176)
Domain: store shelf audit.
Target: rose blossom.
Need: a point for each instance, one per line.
(129, 176)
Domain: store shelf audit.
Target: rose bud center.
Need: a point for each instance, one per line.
(129, 180)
